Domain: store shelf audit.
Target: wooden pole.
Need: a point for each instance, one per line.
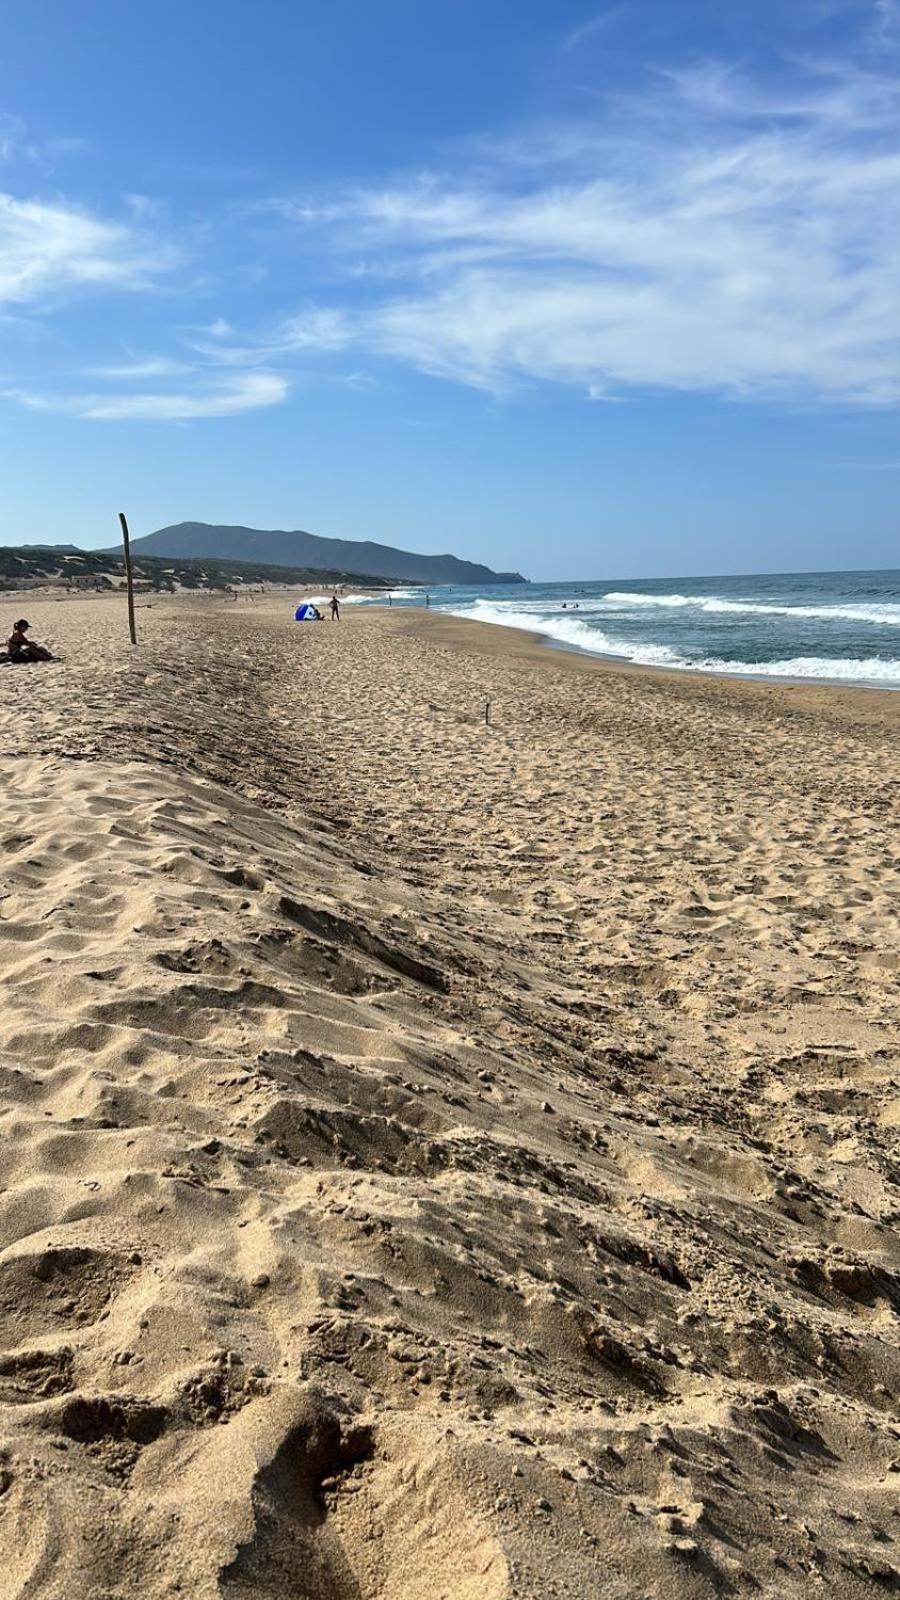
(128, 578)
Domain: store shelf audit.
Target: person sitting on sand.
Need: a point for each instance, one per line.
(335, 609)
(20, 648)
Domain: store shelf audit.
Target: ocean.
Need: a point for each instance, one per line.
(835, 626)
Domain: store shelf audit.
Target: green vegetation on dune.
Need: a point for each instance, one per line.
(63, 566)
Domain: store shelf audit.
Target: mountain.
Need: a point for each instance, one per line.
(204, 540)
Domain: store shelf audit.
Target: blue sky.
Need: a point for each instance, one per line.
(591, 291)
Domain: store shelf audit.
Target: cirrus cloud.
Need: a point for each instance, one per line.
(46, 248)
(716, 236)
(243, 392)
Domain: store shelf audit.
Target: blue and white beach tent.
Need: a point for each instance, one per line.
(307, 613)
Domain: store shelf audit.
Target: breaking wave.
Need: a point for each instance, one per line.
(578, 635)
(887, 614)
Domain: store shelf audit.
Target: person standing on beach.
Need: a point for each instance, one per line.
(335, 609)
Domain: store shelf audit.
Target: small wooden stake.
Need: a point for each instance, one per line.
(128, 579)
(487, 713)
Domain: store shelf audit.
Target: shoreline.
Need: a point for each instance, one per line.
(606, 658)
(498, 639)
(709, 672)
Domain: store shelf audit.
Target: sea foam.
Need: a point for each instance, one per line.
(581, 635)
(887, 614)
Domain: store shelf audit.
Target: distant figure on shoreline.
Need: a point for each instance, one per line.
(335, 609)
(20, 648)
(428, 600)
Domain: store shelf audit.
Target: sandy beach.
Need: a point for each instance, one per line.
(441, 1160)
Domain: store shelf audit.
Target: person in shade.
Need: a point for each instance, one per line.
(335, 609)
(20, 648)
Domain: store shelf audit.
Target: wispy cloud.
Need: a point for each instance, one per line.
(141, 367)
(712, 232)
(243, 392)
(47, 248)
(593, 26)
(713, 235)
(48, 251)
(17, 147)
(887, 21)
(144, 207)
(306, 332)
(11, 130)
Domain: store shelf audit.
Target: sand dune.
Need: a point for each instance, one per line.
(438, 1160)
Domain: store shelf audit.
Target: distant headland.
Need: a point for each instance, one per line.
(276, 547)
